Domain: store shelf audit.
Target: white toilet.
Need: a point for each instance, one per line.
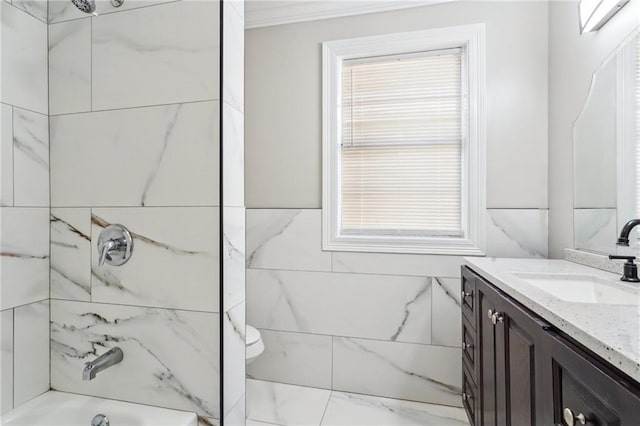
(254, 344)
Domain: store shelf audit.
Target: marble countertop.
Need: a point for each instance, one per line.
(611, 331)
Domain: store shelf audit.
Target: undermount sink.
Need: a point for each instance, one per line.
(582, 288)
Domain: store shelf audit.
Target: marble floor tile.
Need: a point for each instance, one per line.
(346, 409)
(286, 405)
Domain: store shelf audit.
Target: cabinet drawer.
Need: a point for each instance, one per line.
(469, 353)
(468, 296)
(469, 397)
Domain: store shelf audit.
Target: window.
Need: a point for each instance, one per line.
(403, 142)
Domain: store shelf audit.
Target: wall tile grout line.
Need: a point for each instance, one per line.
(126, 108)
(337, 336)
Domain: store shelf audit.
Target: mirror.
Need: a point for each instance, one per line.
(606, 139)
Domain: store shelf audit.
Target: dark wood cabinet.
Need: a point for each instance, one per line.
(518, 370)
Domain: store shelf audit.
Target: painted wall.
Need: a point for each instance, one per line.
(380, 324)
(24, 204)
(573, 58)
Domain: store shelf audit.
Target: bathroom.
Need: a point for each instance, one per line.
(203, 222)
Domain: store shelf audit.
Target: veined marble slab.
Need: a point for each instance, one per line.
(233, 63)
(24, 81)
(35, 8)
(398, 370)
(285, 405)
(347, 409)
(6, 360)
(30, 159)
(233, 157)
(388, 307)
(237, 416)
(169, 53)
(233, 257)
(517, 232)
(70, 65)
(286, 239)
(294, 358)
(6, 155)
(234, 337)
(397, 264)
(164, 156)
(63, 10)
(71, 253)
(446, 308)
(595, 229)
(31, 351)
(174, 266)
(611, 331)
(170, 357)
(24, 256)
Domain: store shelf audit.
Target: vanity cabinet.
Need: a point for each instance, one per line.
(519, 370)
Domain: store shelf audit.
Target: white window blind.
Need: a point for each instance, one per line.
(401, 144)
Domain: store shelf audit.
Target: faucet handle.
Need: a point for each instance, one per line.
(630, 269)
(619, 257)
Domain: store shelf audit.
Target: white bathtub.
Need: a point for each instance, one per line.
(65, 409)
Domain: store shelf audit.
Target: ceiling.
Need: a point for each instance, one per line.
(264, 13)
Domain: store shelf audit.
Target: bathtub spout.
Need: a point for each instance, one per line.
(103, 362)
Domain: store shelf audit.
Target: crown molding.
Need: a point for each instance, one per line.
(260, 14)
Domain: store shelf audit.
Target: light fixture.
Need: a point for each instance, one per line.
(595, 13)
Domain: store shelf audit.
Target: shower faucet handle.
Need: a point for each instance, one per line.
(115, 245)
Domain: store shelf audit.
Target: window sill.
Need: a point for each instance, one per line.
(441, 246)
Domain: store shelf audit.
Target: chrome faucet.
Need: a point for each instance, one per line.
(103, 362)
(115, 245)
(623, 240)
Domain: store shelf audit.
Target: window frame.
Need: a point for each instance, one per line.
(471, 38)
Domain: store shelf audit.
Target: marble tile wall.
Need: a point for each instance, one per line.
(24, 203)
(330, 319)
(233, 215)
(135, 125)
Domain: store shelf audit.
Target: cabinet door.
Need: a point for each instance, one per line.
(584, 385)
(519, 370)
(515, 346)
(486, 302)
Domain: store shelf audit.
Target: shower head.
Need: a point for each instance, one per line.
(87, 6)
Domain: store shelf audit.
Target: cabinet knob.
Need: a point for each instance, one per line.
(466, 294)
(495, 316)
(466, 346)
(571, 419)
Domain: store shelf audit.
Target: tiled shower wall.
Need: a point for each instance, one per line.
(372, 323)
(135, 134)
(24, 204)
